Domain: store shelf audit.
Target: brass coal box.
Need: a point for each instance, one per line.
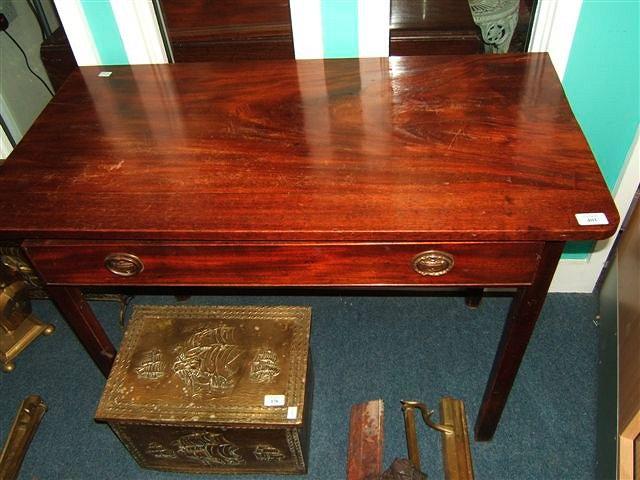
(213, 389)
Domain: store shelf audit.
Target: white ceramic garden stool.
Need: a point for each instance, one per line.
(497, 20)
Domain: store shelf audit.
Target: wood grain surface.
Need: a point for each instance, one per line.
(402, 149)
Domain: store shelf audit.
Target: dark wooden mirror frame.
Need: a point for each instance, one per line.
(261, 29)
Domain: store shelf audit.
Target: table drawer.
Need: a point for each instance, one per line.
(284, 264)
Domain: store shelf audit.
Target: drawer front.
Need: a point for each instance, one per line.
(284, 264)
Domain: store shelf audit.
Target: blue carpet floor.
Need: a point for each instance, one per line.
(363, 348)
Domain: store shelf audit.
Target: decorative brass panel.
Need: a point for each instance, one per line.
(212, 389)
(193, 363)
(213, 449)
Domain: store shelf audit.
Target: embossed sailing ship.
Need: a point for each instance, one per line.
(264, 366)
(209, 448)
(268, 453)
(151, 366)
(209, 361)
(157, 450)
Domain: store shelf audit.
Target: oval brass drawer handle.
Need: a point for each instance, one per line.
(433, 263)
(123, 264)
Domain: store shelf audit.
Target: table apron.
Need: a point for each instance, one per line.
(283, 264)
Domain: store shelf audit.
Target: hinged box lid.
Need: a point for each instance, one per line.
(210, 365)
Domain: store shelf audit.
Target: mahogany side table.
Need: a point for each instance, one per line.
(373, 173)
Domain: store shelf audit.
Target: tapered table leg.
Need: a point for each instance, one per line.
(473, 297)
(78, 314)
(518, 328)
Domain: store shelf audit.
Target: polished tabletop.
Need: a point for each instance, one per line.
(398, 149)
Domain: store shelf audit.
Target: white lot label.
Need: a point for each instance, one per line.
(105, 74)
(274, 400)
(292, 413)
(592, 219)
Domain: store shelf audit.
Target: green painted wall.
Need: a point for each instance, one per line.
(340, 28)
(104, 29)
(602, 82)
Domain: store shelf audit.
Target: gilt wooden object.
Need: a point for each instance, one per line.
(213, 389)
(334, 173)
(628, 258)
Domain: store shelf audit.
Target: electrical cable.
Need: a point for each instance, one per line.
(35, 14)
(7, 132)
(41, 17)
(27, 62)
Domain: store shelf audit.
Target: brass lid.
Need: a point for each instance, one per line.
(210, 365)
